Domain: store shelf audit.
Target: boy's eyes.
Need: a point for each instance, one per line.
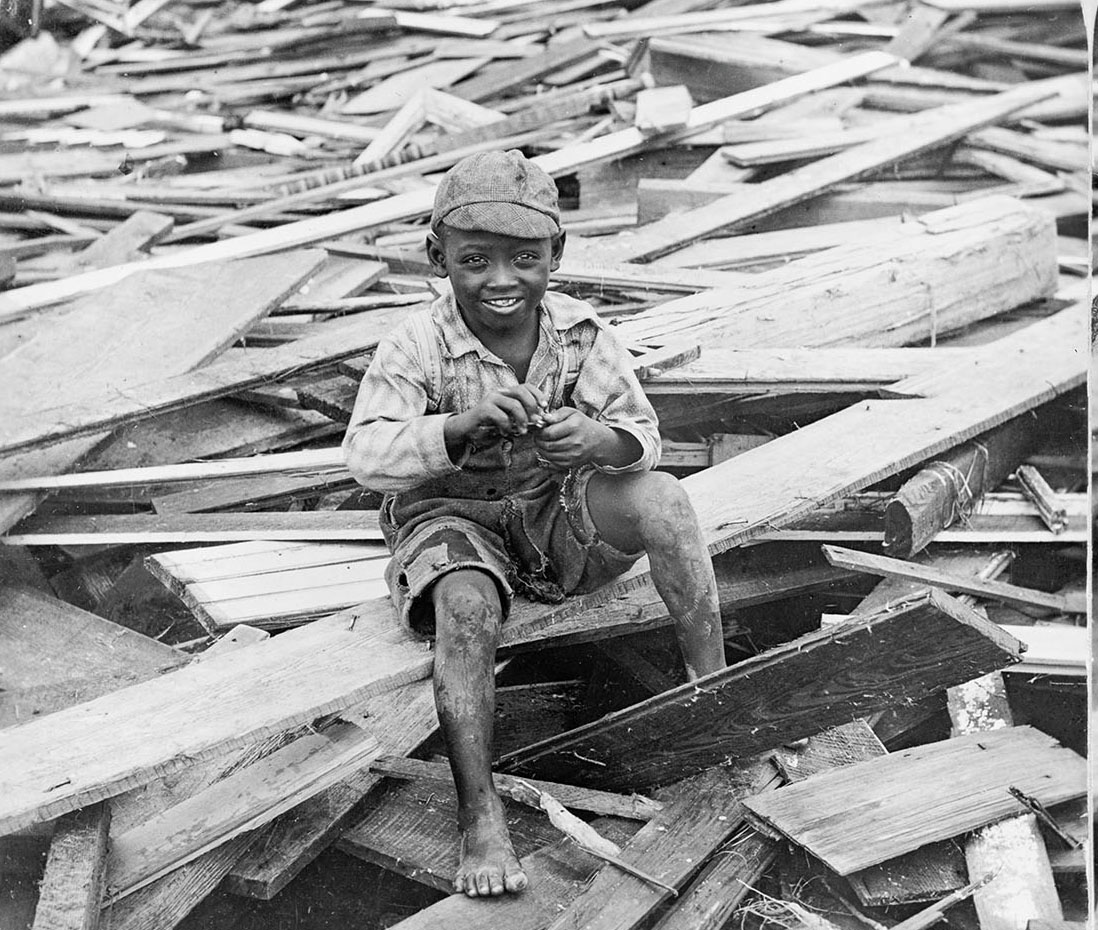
(524, 257)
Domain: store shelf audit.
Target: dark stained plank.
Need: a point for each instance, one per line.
(822, 679)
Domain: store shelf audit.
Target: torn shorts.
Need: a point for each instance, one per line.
(539, 542)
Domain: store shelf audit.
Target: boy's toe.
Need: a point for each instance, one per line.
(514, 880)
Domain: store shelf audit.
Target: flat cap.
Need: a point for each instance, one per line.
(499, 192)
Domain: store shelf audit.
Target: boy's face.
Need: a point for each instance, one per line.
(498, 280)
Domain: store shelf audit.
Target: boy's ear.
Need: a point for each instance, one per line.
(557, 252)
(436, 255)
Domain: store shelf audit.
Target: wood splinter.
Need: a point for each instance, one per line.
(581, 833)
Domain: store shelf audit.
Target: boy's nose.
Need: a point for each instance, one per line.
(500, 275)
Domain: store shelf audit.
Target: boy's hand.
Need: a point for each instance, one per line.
(510, 411)
(570, 438)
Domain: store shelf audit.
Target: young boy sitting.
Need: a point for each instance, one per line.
(517, 448)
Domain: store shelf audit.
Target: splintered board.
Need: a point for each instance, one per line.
(876, 810)
(272, 585)
(825, 678)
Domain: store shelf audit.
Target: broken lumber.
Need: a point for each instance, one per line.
(947, 489)
(973, 771)
(874, 293)
(770, 699)
(632, 807)
(941, 128)
(995, 590)
(73, 882)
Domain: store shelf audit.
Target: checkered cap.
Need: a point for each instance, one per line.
(499, 192)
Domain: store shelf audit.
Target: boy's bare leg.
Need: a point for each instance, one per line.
(467, 623)
(650, 511)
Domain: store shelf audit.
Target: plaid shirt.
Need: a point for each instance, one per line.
(395, 442)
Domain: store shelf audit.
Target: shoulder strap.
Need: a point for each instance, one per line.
(423, 328)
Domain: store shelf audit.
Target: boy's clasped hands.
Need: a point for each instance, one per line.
(565, 437)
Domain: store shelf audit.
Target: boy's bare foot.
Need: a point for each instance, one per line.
(489, 866)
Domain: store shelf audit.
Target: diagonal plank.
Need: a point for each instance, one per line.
(826, 678)
(918, 135)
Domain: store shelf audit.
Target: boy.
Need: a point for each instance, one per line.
(517, 447)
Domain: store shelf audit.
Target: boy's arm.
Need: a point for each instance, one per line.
(391, 443)
(608, 391)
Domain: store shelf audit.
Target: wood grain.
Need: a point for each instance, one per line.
(949, 788)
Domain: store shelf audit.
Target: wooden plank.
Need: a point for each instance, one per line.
(222, 495)
(853, 294)
(702, 816)
(236, 560)
(995, 590)
(662, 109)
(972, 772)
(632, 807)
(279, 610)
(97, 411)
(72, 885)
(557, 874)
(765, 701)
(411, 829)
(401, 719)
(1053, 649)
(794, 186)
(133, 235)
(119, 529)
(46, 641)
(234, 805)
(286, 581)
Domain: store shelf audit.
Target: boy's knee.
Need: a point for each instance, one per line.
(467, 600)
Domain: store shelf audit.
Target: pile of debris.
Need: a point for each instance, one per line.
(846, 242)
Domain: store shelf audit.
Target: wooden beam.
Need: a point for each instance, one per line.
(770, 699)
(974, 771)
(944, 126)
(72, 885)
(873, 293)
(993, 590)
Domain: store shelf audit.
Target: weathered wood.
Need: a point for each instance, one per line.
(793, 186)
(704, 814)
(223, 495)
(662, 109)
(102, 348)
(186, 528)
(237, 804)
(874, 293)
(401, 720)
(95, 411)
(633, 807)
(765, 701)
(72, 885)
(1013, 847)
(973, 772)
(419, 202)
(947, 489)
(996, 590)
(136, 234)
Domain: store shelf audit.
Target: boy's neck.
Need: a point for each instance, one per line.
(514, 345)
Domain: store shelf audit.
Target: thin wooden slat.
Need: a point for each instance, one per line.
(765, 701)
(238, 560)
(793, 186)
(949, 788)
(121, 529)
(996, 590)
(275, 609)
(632, 807)
(288, 581)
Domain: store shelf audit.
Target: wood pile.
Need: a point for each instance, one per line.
(846, 243)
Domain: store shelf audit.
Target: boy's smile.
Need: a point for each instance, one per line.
(498, 280)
